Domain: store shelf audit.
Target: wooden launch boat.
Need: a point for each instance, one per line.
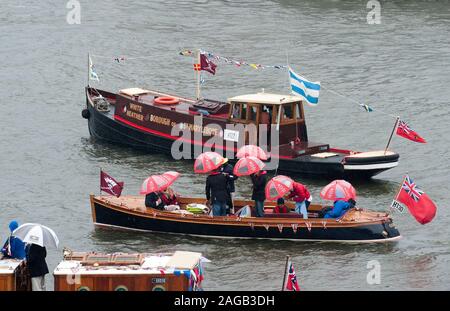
(91, 271)
(144, 119)
(130, 213)
(14, 275)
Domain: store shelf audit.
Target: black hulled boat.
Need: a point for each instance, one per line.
(130, 213)
(146, 120)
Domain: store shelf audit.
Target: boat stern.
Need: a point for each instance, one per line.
(369, 163)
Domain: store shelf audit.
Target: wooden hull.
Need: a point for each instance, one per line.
(108, 212)
(104, 127)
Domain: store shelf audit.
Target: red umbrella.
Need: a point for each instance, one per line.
(338, 189)
(154, 183)
(252, 151)
(247, 166)
(207, 161)
(278, 186)
(171, 176)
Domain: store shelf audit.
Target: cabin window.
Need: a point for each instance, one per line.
(244, 111)
(236, 111)
(288, 112)
(266, 114)
(253, 113)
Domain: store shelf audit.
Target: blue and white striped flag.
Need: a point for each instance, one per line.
(306, 89)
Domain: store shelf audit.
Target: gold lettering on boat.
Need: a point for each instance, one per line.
(135, 107)
(135, 115)
(207, 130)
(159, 120)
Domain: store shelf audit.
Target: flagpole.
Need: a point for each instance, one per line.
(398, 192)
(285, 270)
(100, 186)
(392, 133)
(288, 75)
(198, 74)
(89, 69)
(401, 185)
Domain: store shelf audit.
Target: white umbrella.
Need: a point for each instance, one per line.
(37, 234)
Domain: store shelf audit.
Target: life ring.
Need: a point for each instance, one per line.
(166, 100)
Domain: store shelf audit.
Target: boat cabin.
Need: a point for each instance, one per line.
(158, 113)
(284, 112)
(90, 271)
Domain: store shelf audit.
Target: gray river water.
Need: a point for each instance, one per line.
(49, 164)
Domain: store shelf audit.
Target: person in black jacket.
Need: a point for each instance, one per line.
(216, 192)
(37, 266)
(227, 169)
(259, 181)
(153, 199)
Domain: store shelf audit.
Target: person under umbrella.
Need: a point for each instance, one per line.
(37, 266)
(301, 196)
(152, 187)
(216, 192)
(13, 247)
(343, 194)
(37, 237)
(227, 169)
(259, 181)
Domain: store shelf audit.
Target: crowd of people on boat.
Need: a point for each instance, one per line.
(33, 255)
(220, 189)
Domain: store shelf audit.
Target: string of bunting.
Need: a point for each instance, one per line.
(240, 63)
(230, 61)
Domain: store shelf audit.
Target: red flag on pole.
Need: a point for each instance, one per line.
(207, 65)
(417, 201)
(110, 185)
(405, 131)
(291, 283)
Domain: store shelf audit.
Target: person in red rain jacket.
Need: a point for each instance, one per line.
(281, 208)
(300, 196)
(169, 197)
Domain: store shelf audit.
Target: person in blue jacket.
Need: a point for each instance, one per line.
(13, 247)
(339, 209)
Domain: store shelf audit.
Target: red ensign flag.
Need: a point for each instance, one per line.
(291, 283)
(405, 131)
(417, 201)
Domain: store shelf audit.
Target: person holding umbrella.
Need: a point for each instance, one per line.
(216, 192)
(300, 195)
(343, 194)
(227, 169)
(252, 166)
(259, 180)
(152, 187)
(37, 266)
(216, 183)
(38, 238)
